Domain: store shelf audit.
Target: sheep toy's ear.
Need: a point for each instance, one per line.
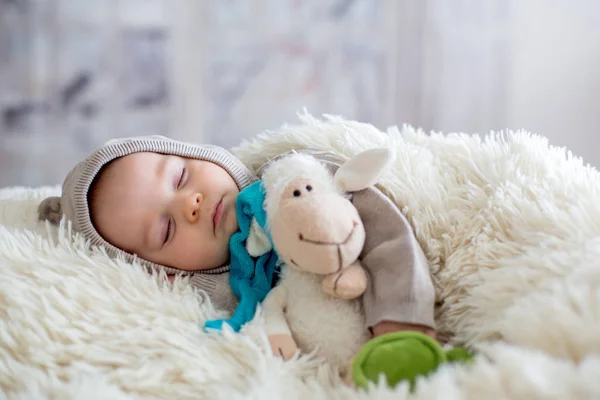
(364, 169)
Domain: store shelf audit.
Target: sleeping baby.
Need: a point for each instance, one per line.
(172, 206)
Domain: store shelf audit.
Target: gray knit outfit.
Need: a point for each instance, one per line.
(73, 203)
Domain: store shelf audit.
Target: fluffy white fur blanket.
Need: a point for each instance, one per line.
(510, 225)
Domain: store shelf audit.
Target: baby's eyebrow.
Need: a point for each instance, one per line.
(161, 166)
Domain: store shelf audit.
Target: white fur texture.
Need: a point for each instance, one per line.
(510, 225)
(503, 220)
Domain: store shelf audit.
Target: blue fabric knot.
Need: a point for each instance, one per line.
(250, 278)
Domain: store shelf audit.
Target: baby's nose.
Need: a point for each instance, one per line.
(194, 202)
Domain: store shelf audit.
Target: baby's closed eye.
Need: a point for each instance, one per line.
(182, 178)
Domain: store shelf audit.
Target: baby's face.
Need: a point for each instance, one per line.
(170, 210)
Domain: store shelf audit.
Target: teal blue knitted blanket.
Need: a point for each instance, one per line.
(250, 278)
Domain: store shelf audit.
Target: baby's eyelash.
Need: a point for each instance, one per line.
(170, 226)
(182, 178)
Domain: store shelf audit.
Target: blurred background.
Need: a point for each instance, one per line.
(76, 73)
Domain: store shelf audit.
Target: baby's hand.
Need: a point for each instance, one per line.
(387, 327)
(283, 345)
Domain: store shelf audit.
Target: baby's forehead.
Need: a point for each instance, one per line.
(127, 173)
(141, 157)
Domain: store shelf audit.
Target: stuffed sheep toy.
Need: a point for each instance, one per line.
(301, 217)
(318, 234)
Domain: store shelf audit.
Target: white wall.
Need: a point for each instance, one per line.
(554, 81)
(223, 71)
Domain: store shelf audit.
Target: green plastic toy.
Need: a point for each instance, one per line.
(402, 356)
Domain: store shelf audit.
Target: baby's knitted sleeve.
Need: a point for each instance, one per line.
(400, 288)
(217, 288)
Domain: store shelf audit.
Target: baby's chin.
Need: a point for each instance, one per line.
(217, 260)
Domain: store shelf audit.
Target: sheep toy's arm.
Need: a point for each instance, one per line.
(257, 243)
(280, 337)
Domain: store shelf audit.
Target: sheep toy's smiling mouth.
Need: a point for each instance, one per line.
(325, 243)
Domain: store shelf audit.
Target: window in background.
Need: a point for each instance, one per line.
(73, 75)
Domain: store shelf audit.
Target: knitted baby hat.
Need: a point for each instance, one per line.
(74, 201)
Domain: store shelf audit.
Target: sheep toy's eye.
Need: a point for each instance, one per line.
(308, 188)
(297, 193)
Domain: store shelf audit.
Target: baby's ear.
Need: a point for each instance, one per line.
(364, 169)
(50, 210)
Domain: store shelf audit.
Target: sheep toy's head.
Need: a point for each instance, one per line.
(314, 225)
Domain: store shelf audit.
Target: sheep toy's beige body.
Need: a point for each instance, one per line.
(319, 236)
(333, 328)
